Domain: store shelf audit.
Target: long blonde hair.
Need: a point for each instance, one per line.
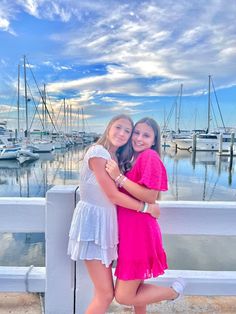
(123, 153)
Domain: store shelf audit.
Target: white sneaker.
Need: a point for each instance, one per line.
(178, 285)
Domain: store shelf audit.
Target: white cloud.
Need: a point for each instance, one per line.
(184, 43)
(155, 46)
(56, 67)
(30, 6)
(7, 13)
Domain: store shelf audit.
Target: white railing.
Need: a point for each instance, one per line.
(65, 283)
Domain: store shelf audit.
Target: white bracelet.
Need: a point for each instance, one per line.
(145, 208)
(122, 182)
(118, 178)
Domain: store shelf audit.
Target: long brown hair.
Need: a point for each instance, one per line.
(126, 164)
(156, 129)
(123, 153)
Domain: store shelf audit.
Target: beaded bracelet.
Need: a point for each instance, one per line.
(121, 183)
(118, 178)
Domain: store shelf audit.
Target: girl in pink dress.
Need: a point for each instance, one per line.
(140, 251)
(93, 234)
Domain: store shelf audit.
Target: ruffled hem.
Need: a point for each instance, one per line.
(141, 271)
(87, 250)
(94, 224)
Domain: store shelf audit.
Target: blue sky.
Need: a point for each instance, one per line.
(111, 57)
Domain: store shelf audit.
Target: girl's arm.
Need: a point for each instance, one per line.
(138, 191)
(97, 165)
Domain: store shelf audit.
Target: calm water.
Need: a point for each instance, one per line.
(201, 177)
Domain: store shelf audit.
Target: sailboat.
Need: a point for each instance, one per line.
(36, 145)
(169, 137)
(8, 149)
(208, 141)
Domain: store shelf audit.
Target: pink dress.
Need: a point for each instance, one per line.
(140, 251)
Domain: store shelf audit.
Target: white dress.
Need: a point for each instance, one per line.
(94, 230)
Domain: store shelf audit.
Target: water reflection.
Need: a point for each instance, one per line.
(20, 249)
(34, 179)
(30, 180)
(200, 176)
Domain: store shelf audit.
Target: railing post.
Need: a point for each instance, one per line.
(59, 295)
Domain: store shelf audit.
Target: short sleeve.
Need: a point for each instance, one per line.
(152, 172)
(97, 151)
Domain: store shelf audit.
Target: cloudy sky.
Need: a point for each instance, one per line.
(109, 57)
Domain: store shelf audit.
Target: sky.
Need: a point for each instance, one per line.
(100, 58)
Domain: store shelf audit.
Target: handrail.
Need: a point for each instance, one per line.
(53, 214)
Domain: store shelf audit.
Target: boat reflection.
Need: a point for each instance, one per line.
(199, 176)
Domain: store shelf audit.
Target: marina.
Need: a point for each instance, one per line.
(206, 177)
(195, 178)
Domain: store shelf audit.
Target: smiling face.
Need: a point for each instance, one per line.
(119, 133)
(143, 137)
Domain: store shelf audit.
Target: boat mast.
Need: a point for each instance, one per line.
(71, 128)
(209, 104)
(44, 108)
(179, 110)
(18, 103)
(26, 101)
(64, 110)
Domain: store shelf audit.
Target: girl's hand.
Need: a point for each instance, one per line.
(154, 210)
(112, 169)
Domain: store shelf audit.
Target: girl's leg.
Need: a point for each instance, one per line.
(103, 287)
(140, 309)
(137, 293)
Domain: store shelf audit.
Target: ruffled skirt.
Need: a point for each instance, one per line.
(140, 251)
(93, 234)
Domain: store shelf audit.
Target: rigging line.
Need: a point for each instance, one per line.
(40, 93)
(170, 112)
(57, 118)
(59, 112)
(36, 108)
(169, 117)
(53, 115)
(214, 114)
(218, 105)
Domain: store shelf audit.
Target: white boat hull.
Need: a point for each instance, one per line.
(204, 144)
(41, 147)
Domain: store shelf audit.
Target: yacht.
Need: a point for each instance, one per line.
(206, 142)
(8, 150)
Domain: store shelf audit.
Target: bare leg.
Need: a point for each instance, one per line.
(134, 292)
(140, 309)
(103, 287)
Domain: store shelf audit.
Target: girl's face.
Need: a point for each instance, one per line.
(143, 137)
(119, 133)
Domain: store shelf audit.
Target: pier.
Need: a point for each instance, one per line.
(65, 283)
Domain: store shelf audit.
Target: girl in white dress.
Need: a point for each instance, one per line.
(93, 234)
